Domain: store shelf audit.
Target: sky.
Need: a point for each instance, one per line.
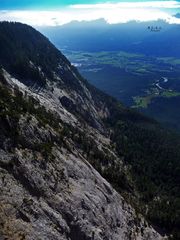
(59, 12)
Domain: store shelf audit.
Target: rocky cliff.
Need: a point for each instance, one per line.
(50, 191)
(64, 173)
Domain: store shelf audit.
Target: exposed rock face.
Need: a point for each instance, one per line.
(62, 198)
(48, 188)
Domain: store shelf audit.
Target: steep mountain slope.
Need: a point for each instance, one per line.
(58, 134)
(48, 189)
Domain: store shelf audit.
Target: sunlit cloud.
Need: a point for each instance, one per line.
(149, 4)
(121, 12)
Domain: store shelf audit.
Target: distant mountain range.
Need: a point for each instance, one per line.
(156, 38)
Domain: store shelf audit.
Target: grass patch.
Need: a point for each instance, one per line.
(170, 60)
(143, 102)
(170, 93)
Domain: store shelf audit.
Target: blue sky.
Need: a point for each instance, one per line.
(34, 4)
(47, 4)
(43, 4)
(59, 12)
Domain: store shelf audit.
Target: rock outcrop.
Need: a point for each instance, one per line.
(61, 196)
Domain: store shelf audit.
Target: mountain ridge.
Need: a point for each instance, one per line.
(133, 37)
(67, 118)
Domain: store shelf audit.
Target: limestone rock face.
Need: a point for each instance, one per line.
(49, 189)
(54, 193)
(62, 198)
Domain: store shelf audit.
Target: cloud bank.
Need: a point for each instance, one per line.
(121, 12)
(149, 4)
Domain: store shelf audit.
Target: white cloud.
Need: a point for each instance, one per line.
(111, 12)
(150, 4)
